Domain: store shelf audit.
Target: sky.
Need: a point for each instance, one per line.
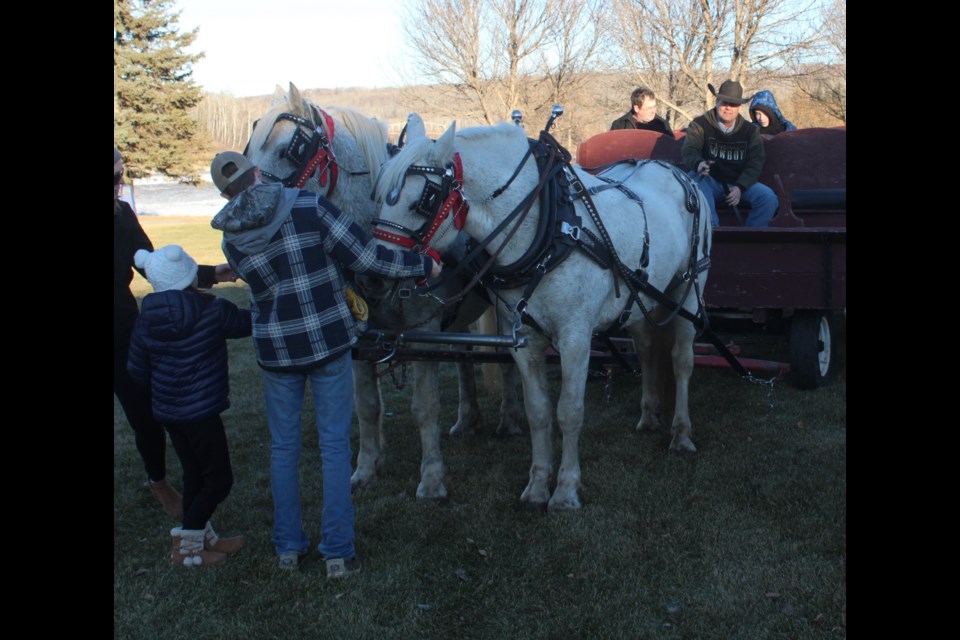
(251, 46)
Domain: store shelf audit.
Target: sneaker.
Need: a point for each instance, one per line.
(291, 561)
(340, 568)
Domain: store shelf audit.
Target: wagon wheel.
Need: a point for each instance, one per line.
(813, 348)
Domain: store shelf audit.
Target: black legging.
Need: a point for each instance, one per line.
(137, 405)
(207, 476)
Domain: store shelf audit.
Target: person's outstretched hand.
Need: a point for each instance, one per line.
(437, 268)
(223, 273)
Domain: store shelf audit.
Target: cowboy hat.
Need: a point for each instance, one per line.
(730, 91)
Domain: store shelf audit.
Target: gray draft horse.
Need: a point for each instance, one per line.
(338, 151)
(656, 219)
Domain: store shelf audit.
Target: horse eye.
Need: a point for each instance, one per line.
(393, 196)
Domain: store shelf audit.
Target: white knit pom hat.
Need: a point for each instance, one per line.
(168, 267)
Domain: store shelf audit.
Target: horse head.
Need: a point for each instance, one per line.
(303, 146)
(419, 191)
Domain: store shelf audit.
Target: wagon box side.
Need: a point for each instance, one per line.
(797, 267)
(770, 268)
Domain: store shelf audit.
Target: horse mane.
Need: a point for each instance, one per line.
(370, 134)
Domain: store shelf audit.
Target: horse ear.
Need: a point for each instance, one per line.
(415, 127)
(296, 100)
(279, 96)
(445, 142)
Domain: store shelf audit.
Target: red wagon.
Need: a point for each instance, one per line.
(795, 270)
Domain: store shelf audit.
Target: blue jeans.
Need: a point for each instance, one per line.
(332, 387)
(763, 201)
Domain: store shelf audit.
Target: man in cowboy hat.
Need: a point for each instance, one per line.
(725, 154)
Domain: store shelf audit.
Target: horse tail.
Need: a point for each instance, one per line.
(487, 324)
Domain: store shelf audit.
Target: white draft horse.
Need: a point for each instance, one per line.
(659, 225)
(338, 152)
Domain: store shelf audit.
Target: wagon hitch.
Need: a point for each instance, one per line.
(393, 341)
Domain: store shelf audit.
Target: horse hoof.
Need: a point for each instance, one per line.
(683, 445)
(357, 485)
(438, 495)
(570, 503)
(651, 424)
(458, 430)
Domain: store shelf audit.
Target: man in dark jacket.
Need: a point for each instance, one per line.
(642, 114)
(290, 246)
(151, 442)
(179, 349)
(725, 154)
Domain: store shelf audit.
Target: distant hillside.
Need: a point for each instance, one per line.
(226, 121)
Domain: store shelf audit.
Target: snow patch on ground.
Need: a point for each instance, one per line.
(163, 196)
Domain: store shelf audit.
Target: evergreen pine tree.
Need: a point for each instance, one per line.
(153, 89)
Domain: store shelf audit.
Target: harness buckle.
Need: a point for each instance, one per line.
(568, 229)
(404, 293)
(542, 266)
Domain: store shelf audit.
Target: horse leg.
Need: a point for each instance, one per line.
(468, 412)
(650, 401)
(509, 424)
(531, 363)
(425, 408)
(487, 325)
(682, 356)
(575, 355)
(367, 400)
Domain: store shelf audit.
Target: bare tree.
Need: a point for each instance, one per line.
(678, 47)
(495, 53)
(826, 83)
(574, 46)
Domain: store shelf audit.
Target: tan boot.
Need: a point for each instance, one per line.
(213, 542)
(188, 549)
(167, 496)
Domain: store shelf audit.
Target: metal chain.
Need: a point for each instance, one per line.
(769, 382)
(403, 376)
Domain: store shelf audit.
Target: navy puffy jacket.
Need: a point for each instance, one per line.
(179, 348)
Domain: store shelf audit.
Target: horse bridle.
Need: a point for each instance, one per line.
(436, 202)
(309, 150)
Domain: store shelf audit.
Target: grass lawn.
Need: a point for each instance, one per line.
(744, 539)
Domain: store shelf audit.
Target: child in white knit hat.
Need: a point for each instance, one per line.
(179, 348)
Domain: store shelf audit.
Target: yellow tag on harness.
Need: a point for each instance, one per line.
(358, 306)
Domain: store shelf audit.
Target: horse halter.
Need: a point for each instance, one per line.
(309, 150)
(435, 203)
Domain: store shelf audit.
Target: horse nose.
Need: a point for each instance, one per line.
(373, 286)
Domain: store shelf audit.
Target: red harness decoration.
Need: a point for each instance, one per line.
(460, 216)
(325, 156)
(455, 199)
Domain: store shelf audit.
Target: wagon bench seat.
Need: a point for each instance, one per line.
(806, 168)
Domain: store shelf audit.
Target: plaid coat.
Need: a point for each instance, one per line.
(289, 246)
